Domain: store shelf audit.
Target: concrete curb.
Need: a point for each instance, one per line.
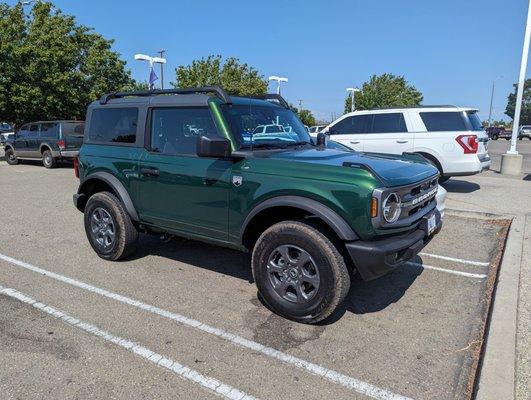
(497, 375)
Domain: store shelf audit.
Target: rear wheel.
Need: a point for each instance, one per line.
(48, 160)
(299, 272)
(109, 228)
(495, 137)
(11, 158)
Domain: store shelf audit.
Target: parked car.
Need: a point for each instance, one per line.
(493, 132)
(452, 138)
(311, 216)
(49, 141)
(524, 132)
(440, 198)
(317, 128)
(5, 131)
(6, 137)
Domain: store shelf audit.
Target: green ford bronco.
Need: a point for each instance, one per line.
(244, 173)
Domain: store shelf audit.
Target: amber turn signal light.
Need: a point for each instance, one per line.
(374, 207)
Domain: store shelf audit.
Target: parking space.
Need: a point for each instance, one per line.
(415, 333)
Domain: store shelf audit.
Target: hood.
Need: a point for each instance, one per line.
(391, 170)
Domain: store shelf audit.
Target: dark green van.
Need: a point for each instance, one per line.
(243, 173)
(49, 141)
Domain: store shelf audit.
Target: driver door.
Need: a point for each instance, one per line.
(177, 189)
(350, 131)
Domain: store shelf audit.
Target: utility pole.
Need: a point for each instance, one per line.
(300, 105)
(161, 53)
(490, 108)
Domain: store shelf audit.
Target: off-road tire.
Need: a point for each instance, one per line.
(333, 273)
(126, 235)
(48, 160)
(11, 158)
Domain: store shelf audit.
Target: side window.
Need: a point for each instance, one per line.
(22, 132)
(49, 130)
(349, 125)
(387, 123)
(33, 131)
(443, 121)
(113, 125)
(175, 130)
(73, 129)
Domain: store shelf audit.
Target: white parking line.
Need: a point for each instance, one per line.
(211, 384)
(331, 375)
(448, 271)
(459, 260)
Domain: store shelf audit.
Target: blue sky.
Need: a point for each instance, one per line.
(450, 50)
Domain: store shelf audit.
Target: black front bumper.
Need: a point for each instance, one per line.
(376, 258)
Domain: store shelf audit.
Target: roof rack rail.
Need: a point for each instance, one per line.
(273, 96)
(418, 106)
(217, 90)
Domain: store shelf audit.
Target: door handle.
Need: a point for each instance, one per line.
(402, 141)
(354, 141)
(149, 171)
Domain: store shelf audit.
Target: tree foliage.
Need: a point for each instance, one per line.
(386, 90)
(236, 78)
(525, 113)
(51, 67)
(306, 116)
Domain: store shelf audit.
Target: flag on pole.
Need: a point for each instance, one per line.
(152, 78)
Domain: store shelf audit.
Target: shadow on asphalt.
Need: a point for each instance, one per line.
(201, 255)
(37, 163)
(363, 297)
(459, 186)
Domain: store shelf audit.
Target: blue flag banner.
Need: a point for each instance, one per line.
(152, 77)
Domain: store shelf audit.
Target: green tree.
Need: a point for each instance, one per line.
(134, 86)
(236, 78)
(525, 113)
(386, 90)
(51, 67)
(304, 115)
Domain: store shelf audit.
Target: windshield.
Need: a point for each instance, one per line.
(265, 126)
(475, 121)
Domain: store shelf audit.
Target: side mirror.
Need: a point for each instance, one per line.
(321, 139)
(213, 147)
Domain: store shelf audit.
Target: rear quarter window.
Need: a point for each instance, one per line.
(113, 125)
(73, 129)
(443, 121)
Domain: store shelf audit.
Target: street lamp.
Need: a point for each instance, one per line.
(511, 162)
(161, 54)
(352, 103)
(151, 60)
(492, 98)
(278, 79)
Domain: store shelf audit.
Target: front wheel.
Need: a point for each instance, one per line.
(299, 272)
(109, 228)
(11, 158)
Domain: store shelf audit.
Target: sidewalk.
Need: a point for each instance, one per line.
(506, 369)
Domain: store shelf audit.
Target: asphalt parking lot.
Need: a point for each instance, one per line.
(415, 333)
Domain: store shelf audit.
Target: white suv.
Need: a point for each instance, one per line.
(452, 138)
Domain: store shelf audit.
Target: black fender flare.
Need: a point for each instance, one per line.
(116, 185)
(329, 216)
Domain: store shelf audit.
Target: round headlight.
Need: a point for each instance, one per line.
(391, 207)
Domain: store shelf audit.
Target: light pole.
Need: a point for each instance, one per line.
(161, 54)
(300, 104)
(151, 60)
(278, 79)
(492, 99)
(511, 162)
(352, 102)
